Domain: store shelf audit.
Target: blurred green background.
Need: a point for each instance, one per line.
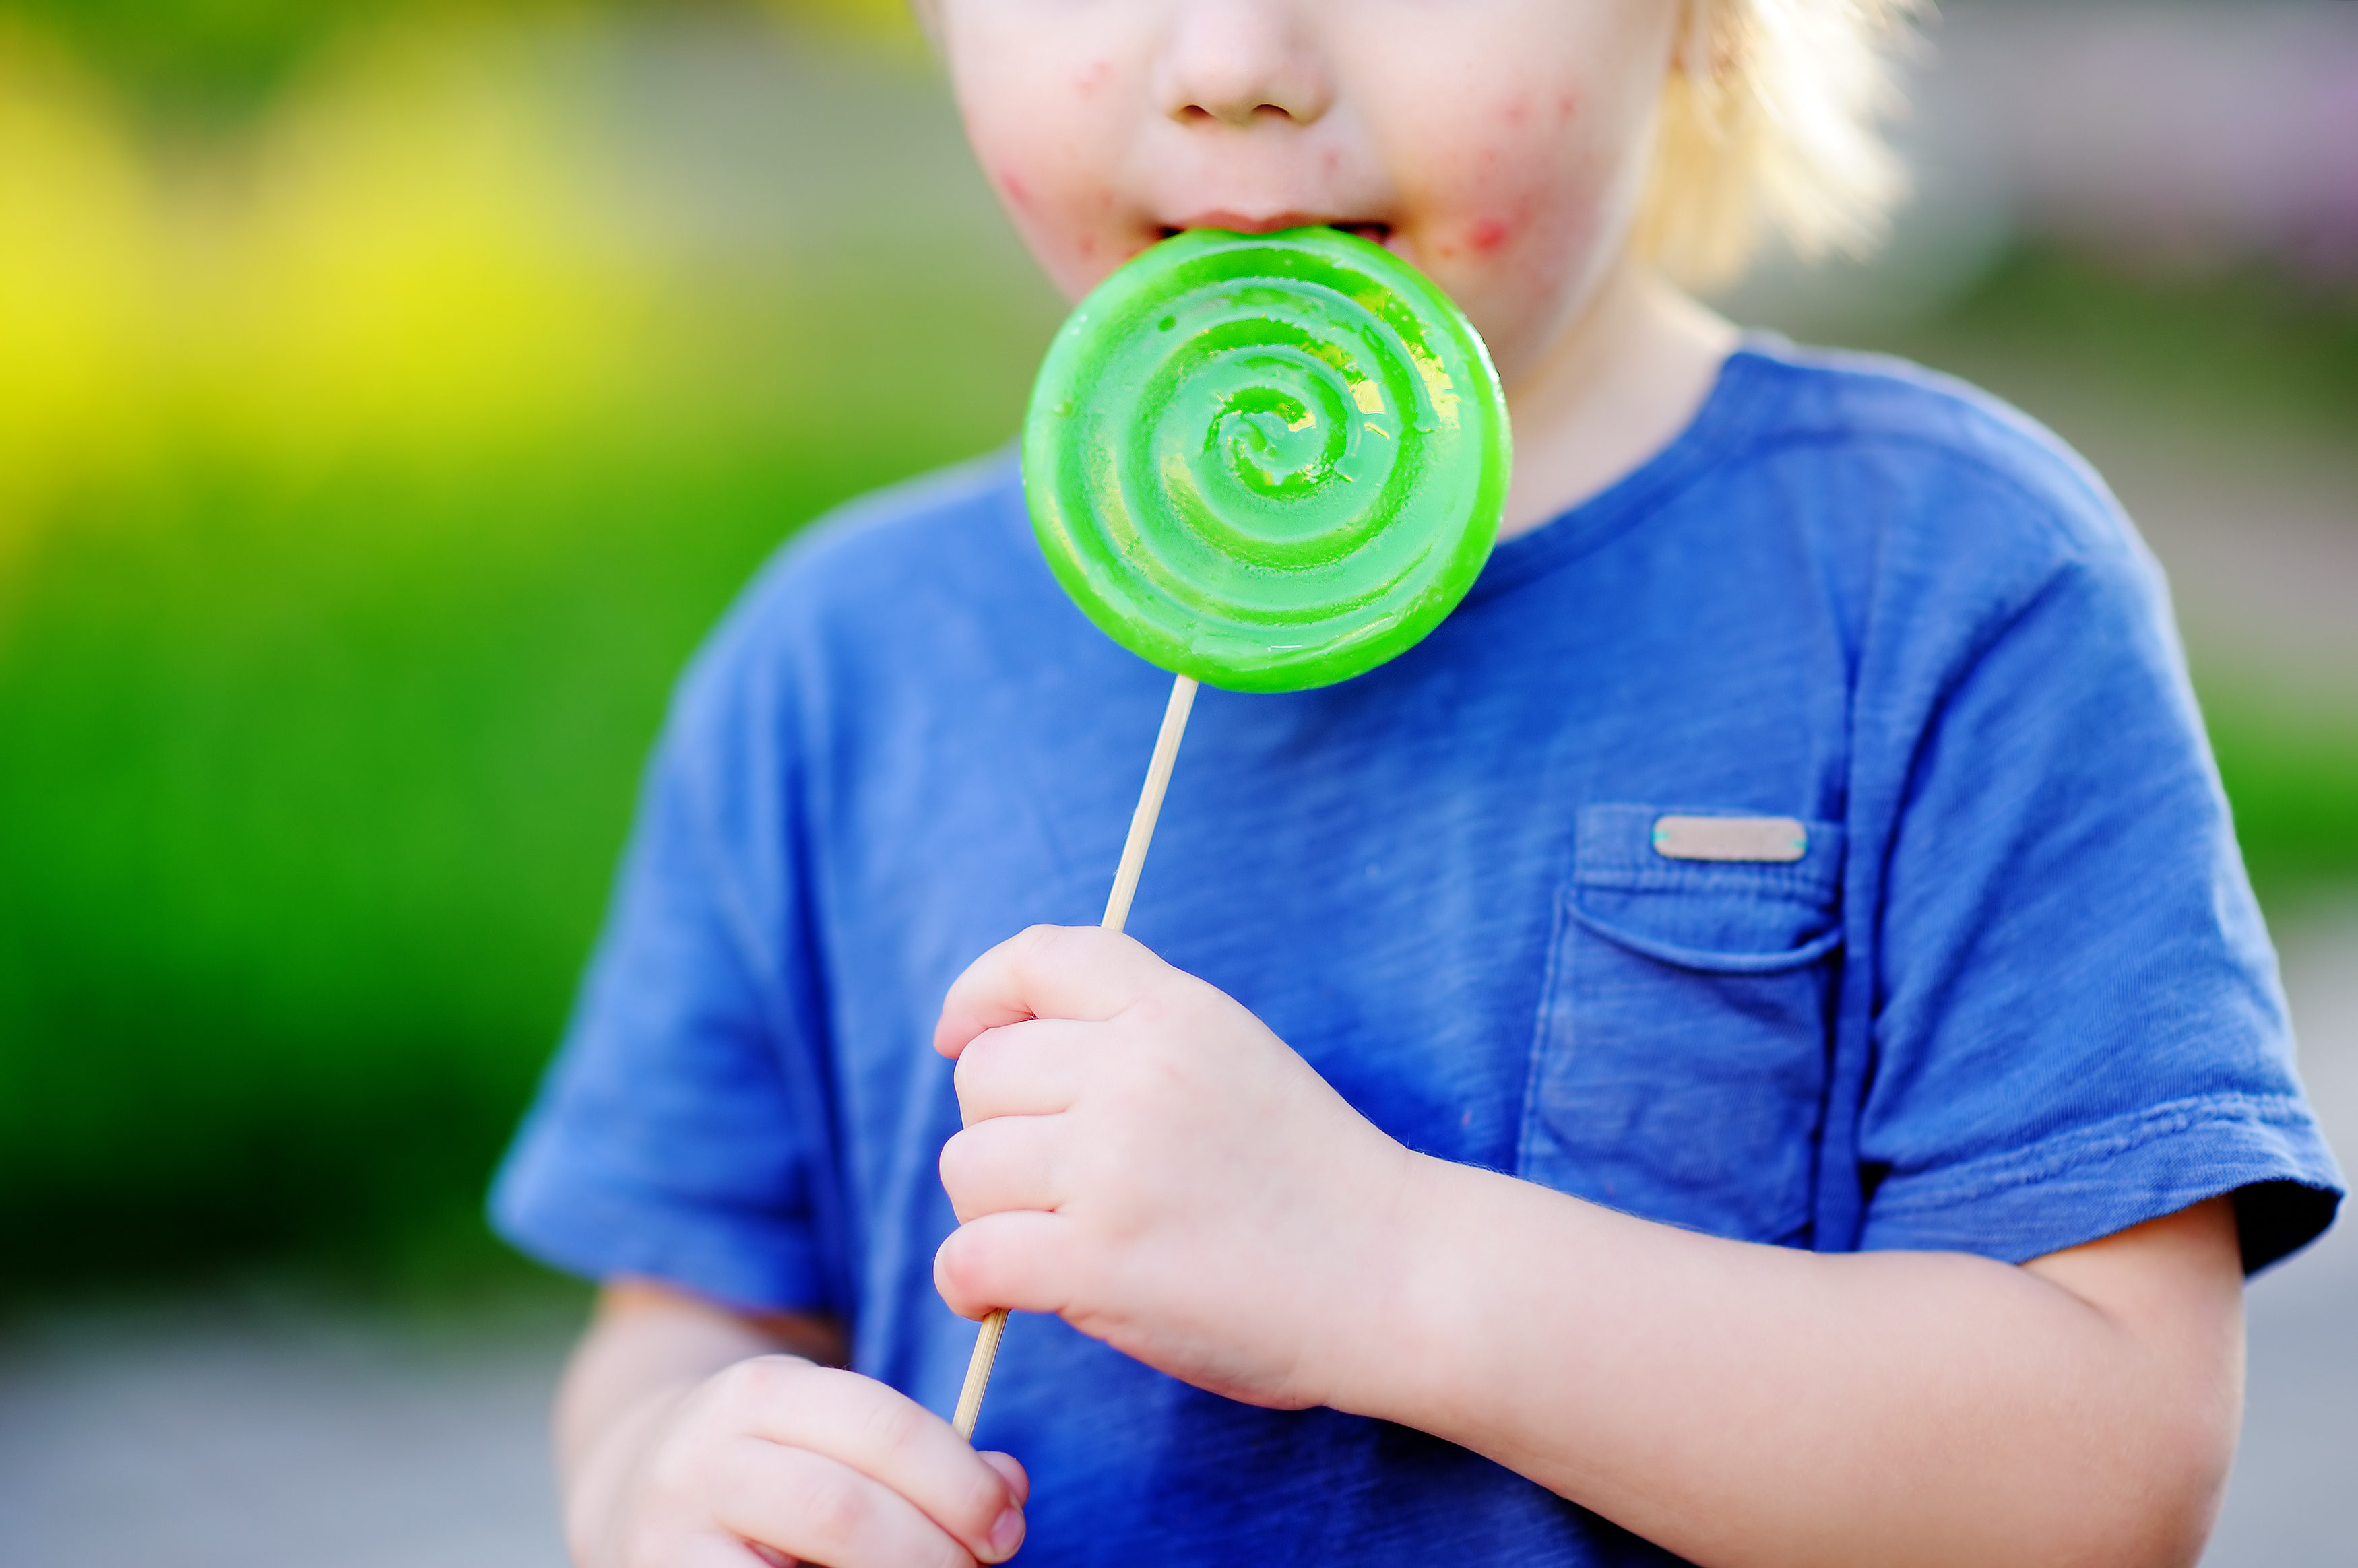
(391, 392)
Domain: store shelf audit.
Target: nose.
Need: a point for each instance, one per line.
(1238, 61)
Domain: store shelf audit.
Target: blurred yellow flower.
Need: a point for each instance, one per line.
(78, 312)
(408, 249)
(416, 256)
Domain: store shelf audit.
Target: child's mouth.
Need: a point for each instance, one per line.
(1374, 234)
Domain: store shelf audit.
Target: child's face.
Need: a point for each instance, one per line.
(1499, 144)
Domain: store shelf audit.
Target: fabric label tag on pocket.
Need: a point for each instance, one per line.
(1775, 840)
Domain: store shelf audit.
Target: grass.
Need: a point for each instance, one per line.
(2248, 348)
(2252, 357)
(316, 784)
(2293, 781)
(316, 771)
(216, 61)
(324, 789)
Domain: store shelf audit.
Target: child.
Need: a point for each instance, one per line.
(1475, 1158)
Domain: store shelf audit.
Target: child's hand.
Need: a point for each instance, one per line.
(1143, 1156)
(776, 1459)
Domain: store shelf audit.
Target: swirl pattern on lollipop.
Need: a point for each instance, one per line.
(1271, 462)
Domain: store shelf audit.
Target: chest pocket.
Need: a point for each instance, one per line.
(1679, 1070)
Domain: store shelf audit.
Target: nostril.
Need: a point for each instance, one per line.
(1197, 114)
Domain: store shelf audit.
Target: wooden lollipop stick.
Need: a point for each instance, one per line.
(1149, 803)
(1117, 914)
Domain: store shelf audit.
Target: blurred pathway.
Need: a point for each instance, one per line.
(260, 1434)
(2292, 1503)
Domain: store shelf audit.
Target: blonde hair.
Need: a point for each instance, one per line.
(1771, 120)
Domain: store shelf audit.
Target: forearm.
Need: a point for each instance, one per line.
(1750, 1406)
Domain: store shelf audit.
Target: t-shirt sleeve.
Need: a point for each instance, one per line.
(2078, 1024)
(681, 1133)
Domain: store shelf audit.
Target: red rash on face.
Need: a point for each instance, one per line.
(1496, 157)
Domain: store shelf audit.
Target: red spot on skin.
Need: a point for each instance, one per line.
(1516, 110)
(1091, 79)
(1331, 159)
(1017, 193)
(1486, 235)
(1566, 103)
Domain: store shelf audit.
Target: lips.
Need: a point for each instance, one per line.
(1270, 223)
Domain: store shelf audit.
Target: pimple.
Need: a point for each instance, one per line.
(1093, 78)
(1018, 194)
(1567, 103)
(1516, 110)
(1487, 234)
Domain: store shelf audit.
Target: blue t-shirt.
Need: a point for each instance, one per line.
(2012, 996)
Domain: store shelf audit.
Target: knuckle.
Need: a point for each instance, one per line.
(831, 1507)
(891, 1426)
(761, 1381)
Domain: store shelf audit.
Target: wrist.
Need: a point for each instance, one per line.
(595, 1488)
(1381, 1345)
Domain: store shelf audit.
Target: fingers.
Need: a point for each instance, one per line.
(906, 1460)
(1010, 1469)
(1015, 1259)
(1034, 1068)
(818, 1510)
(1007, 1163)
(1048, 972)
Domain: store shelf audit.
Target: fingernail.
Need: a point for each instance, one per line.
(1006, 1534)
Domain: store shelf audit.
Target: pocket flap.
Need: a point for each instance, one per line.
(1735, 915)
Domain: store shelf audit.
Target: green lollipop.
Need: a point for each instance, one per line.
(1264, 461)
(1267, 461)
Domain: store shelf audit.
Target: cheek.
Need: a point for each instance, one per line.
(1513, 221)
(1522, 174)
(1057, 165)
